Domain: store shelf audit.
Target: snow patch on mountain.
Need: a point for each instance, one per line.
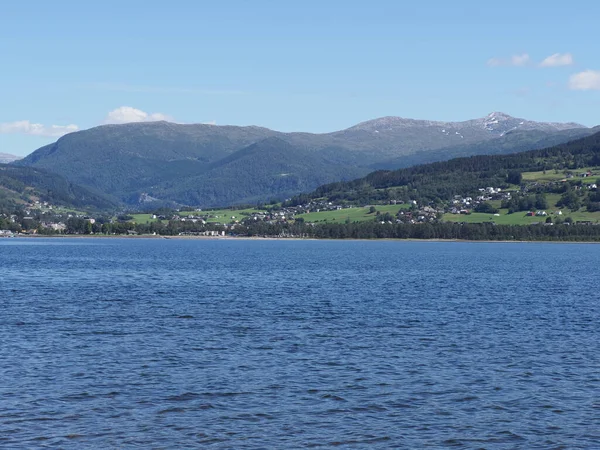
(6, 158)
(495, 122)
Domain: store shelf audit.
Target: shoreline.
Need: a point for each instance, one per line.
(272, 238)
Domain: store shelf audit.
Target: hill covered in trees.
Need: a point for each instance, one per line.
(442, 180)
(26, 185)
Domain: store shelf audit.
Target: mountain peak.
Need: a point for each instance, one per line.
(389, 122)
(501, 123)
(499, 115)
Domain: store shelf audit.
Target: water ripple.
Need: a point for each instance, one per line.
(304, 344)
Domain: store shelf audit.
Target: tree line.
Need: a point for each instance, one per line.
(353, 230)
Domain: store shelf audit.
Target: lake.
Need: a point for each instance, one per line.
(250, 344)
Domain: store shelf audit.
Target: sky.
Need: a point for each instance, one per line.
(316, 66)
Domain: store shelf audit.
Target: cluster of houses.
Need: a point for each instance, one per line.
(464, 204)
(281, 215)
(42, 214)
(420, 215)
(290, 213)
(214, 233)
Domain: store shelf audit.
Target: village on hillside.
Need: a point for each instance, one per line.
(532, 202)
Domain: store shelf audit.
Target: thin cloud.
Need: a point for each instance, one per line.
(558, 60)
(36, 129)
(128, 114)
(588, 80)
(520, 60)
(514, 60)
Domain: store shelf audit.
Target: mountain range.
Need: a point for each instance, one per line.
(209, 165)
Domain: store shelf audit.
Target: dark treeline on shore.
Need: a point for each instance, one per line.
(354, 230)
(441, 230)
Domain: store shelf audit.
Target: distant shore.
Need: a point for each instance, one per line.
(273, 238)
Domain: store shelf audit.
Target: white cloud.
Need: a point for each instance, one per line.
(519, 60)
(127, 114)
(558, 60)
(515, 60)
(585, 81)
(36, 129)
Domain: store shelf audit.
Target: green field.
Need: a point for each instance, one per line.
(520, 218)
(222, 215)
(214, 216)
(143, 218)
(503, 219)
(62, 210)
(550, 175)
(584, 216)
(360, 214)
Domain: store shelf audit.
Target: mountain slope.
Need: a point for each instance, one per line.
(26, 183)
(119, 159)
(203, 163)
(400, 137)
(443, 180)
(511, 142)
(244, 177)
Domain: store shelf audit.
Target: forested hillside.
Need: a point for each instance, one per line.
(20, 185)
(244, 177)
(513, 142)
(443, 180)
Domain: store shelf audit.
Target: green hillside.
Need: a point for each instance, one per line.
(270, 168)
(357, 214)
(443, 180)
(513, 142)
(22, 185)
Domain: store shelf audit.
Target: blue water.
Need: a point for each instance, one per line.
(134, 343)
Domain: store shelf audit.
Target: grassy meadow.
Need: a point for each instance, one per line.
(214, 216)
(521, 217)
(551, 175)
(359, 214)
(226, 215)
(143, 218)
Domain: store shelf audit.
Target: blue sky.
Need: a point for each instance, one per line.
(314, 66)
